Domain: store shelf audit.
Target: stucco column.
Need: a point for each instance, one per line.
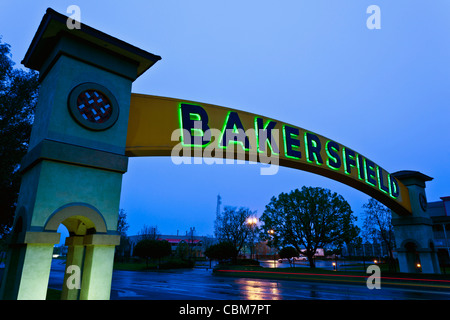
(405, 261)
(98, 266)
(36, 265)
(429, 261)
(75, 255)
(74, 159)
(416, 228)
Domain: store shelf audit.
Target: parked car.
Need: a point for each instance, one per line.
(301, 258)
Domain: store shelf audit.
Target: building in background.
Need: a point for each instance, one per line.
(439, 212)
(188, 244)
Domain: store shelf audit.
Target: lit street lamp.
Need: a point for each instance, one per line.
(272, 232)
(252, 222)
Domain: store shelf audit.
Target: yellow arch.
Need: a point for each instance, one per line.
(78, 218)
(160, 126)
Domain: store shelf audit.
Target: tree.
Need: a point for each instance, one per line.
(122, 227)
(288, 253)
(310, 218)
(152, 249)
(18, 99)
(183, 251)
(191, 247)
(378, 225)
(231, 226)
(147, 232)
(221, 251)
(122, 224)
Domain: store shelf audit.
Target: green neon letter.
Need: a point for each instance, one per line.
(334, 161)
(370, 172)
(381, 181)
(263, 134)
(234, 132)
(394, 190)
(291, 143)
(360, 163)
(194, 119)
(313, 147)
(349, 160)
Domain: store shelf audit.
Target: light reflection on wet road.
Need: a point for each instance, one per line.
(201, 284)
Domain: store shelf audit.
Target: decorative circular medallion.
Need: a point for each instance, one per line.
(93, 106)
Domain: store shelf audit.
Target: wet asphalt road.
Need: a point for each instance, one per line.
(201, 284)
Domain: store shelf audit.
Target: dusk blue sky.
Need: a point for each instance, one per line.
(384, 93)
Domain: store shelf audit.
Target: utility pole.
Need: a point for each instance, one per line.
(190, 241)
(219, 202)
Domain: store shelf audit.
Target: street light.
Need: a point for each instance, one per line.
(272, 232)
(251, 222)
(419, 267)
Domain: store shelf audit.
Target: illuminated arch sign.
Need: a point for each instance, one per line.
(160, 126)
